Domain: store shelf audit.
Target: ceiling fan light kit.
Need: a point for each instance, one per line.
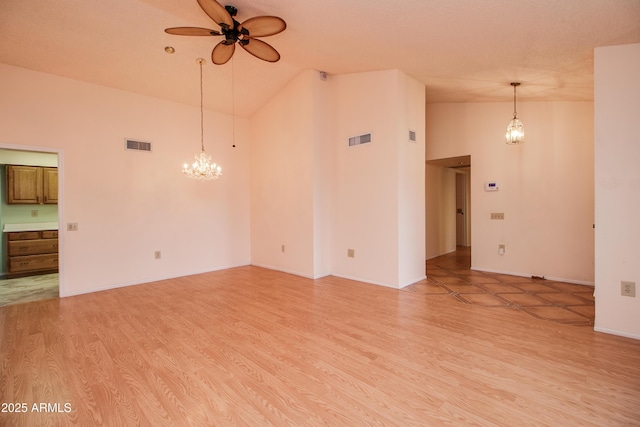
(515, 128)
(234, 32)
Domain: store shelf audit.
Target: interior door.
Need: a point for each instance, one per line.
(461, 209)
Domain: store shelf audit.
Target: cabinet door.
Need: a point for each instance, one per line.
(24, 184)
(50, 185)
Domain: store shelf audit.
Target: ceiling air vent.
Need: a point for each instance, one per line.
(412, 135)
(360, 139)
(131, 144)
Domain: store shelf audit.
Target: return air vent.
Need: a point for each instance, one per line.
(131, 144)
(360, 139)
(412, 135)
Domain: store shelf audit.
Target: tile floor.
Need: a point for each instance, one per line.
(27, 289)
(543, 299)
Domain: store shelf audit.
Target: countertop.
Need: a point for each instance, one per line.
(32, 226)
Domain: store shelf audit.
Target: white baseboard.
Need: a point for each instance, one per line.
(370, 282)
(284, 270)
(618, 333)
(412, 281)
(64, 293)
(555, 279)
(444, 253)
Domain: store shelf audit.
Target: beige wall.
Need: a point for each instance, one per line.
(617, 187)
(130, 204)
(546, 184)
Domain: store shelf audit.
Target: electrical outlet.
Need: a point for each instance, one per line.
(34, 213)
(72, 226)
(351, 253)
(501, 249)
(158, 254)
(497, 215)
(628, 289)
(282, 248)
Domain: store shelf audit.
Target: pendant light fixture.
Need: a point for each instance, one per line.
(202, 169)
(515, 128)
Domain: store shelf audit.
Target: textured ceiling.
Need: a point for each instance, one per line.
(462, 50)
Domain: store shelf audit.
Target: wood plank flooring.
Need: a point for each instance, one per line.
(253, 347)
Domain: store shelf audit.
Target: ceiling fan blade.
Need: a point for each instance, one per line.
(263, 26)
(217, 12)
(261, 50)
(222, 53)
(192, 31)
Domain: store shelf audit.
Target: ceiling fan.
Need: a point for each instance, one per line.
(244, 34)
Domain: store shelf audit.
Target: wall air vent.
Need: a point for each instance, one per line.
(360, 139)
(412, 135)
(131, 144)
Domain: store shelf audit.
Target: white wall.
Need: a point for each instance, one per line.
(319, 197)
(440, 210)
(365, 198)
(323, 178)
(546, 184)
(617, 187)
(378, 198)
(282, 179)
(411, 183)
(130, 204)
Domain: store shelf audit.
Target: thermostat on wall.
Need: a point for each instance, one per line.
(490, 186)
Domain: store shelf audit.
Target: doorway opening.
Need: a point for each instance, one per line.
(29, 219)
(448, 205)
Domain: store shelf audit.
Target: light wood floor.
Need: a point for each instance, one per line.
(250, 346)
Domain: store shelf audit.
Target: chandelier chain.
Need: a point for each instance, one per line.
(201, 111)
(202, 169)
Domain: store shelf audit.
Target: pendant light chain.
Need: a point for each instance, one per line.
(514, 102)
(515, 128)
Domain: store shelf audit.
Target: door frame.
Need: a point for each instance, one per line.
(61, 235)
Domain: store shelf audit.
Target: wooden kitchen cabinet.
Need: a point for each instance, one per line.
(32, 185)
(32, 252)
(50, 186)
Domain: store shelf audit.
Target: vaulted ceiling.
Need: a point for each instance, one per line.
(462, 50)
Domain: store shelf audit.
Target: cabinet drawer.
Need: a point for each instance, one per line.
(50, 234)
(24, 235)
(33, 247)
(33, 262)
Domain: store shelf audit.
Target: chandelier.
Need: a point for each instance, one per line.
(515, 128)
(202, 169)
